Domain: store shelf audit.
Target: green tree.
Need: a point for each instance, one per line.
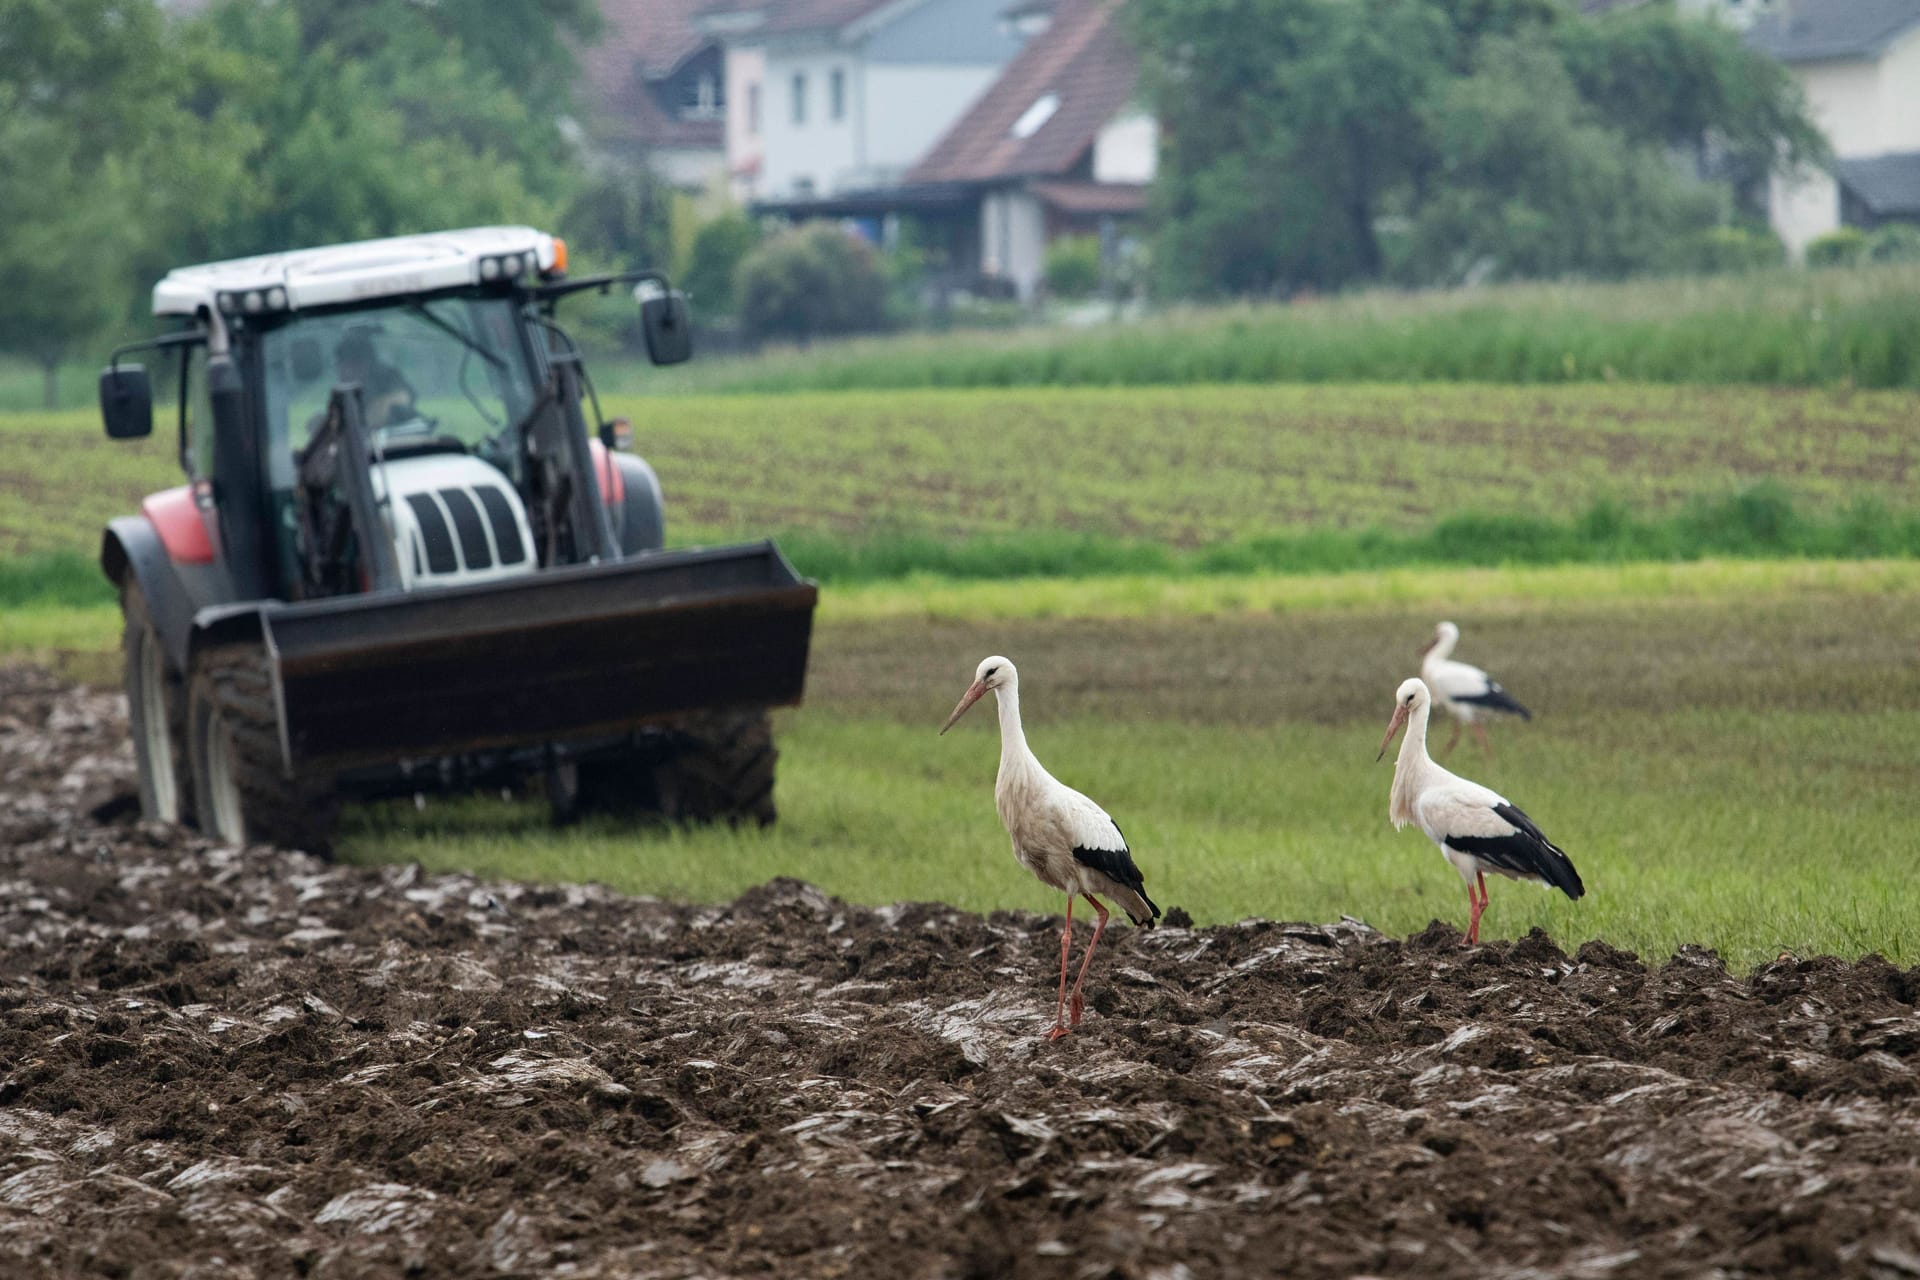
(101, 162)
(812, 282)
(1536, 185)
(718, 250)
(1297, 129)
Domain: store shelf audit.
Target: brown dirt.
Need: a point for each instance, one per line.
(223, 1062)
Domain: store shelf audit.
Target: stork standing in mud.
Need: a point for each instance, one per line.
(1467, 692)
(1064, 838)
(1477, 830)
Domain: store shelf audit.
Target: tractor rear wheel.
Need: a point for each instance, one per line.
(710, 766)
(156, 713)
(233, 740)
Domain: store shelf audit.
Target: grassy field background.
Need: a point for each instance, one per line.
(1738, 773)
(1729, 751)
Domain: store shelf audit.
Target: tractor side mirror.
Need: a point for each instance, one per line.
(668, 324)
(126, 402)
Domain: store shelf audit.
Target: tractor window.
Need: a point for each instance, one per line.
(449, 372)
(196, 424)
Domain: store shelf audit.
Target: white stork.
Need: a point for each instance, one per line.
(1478, 830)
(1064, 838)
(1467, 692)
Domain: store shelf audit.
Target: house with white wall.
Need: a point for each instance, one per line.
(1858, 62)
(834, 96)
(1056, 146)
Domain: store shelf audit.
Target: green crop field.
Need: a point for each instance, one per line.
(1124, 470)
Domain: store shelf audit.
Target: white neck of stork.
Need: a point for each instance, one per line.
(1413, 767)
(1014, 752)
(1440, 648)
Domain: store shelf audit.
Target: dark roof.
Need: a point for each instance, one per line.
(1889, 186)
(789, 17)
(642, 41)
(1815, 30)
(1084, 60)
(1084, 198)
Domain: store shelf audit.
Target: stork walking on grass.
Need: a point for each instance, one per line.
(1477, 830)
(1468, 693)
(1064, 838)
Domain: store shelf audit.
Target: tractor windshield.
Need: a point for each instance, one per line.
(444, 372)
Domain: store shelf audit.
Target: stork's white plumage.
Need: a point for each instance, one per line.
(1469, 694)
(1064, 838)
(1476, 829)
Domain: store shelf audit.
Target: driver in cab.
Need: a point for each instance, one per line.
(384, 390)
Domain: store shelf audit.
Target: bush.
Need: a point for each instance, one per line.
(1073, 266)
(811, 282)
(1895, 242)
(1719, 250)
(1846, 247)
(718, 249)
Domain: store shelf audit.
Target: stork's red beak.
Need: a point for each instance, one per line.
(967, 699)
(1393, 727)
(1427, 648)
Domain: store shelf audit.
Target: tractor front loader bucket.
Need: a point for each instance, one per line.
(567, 652)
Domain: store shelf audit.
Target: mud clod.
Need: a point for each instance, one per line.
(218, 1061)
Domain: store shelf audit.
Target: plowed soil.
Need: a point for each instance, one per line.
(227, 1062)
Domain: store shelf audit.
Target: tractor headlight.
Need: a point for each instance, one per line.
(489, 268)
(277, 298)
(226, 302)
(253, 302)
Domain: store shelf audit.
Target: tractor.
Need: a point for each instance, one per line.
(405, 561)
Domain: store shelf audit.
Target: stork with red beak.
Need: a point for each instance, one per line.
(1469, 694)
(1477, 830)
(1064, 838)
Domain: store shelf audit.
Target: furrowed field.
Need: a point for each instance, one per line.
(1727, 747)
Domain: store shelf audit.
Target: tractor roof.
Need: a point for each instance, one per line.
(366, 269)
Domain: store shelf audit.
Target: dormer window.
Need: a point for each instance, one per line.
(1036, 115)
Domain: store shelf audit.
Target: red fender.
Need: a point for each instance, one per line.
(613, 485)
(176, 518)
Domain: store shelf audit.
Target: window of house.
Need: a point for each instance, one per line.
(1036, 115)
(753, 108)
(799, 98)
(837, 94)
(705, 99)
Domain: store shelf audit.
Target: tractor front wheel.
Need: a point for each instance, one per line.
(156, 713)
(242, 793)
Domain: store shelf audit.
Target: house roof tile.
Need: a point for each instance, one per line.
(1083, 61)
(1888, 185)
(791, 17)
(1817, 30)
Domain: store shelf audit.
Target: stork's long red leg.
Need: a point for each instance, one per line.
(1479, 905)
(1486, 743)
(1453, 741)
(1066, 944)
(1099, 925)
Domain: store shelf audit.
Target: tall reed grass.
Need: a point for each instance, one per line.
(1850, 327)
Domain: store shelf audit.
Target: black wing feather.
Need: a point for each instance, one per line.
(1117, 865)
(1527, 851)
(1498, 699)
